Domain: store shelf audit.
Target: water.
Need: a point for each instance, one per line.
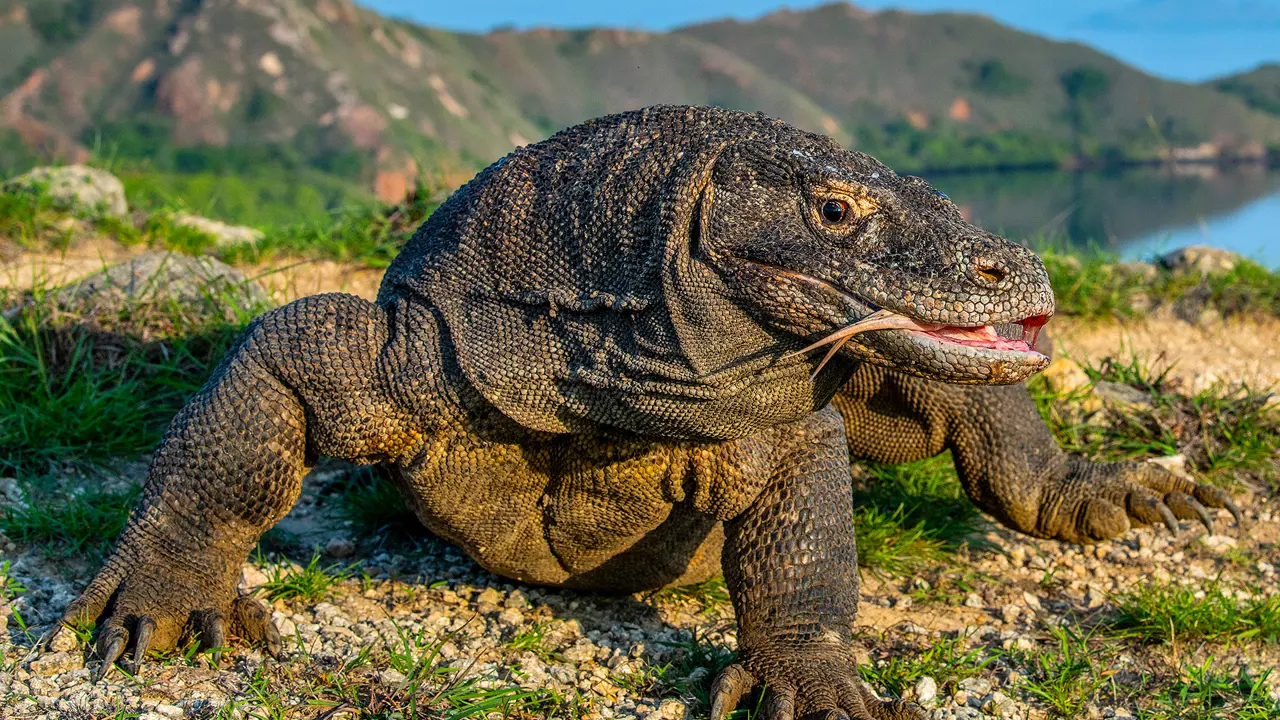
(1137, 213)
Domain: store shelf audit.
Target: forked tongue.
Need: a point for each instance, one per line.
(878, 320)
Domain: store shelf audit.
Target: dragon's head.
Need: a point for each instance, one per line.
(839, 252)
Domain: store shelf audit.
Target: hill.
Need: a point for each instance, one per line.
(328, 100)
(1259, 88)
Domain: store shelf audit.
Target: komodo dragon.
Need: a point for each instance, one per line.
(593, 367)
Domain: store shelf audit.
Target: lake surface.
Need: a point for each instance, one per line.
(1138, 213)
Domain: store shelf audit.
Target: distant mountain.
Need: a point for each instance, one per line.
(329, 87)
(1259, 88)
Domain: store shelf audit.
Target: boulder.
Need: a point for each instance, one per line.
(1065, 377)
(1201, 259)
(1140, 273)
(223, 234)
(75, 188)
(163, 288)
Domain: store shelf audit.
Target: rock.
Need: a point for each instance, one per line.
(490, 596)
(1176, 464)
(1010, 613)
(999, 704)
(1202, 259)
(926, 689)
(1032, 601)
(672, 710)
(55, 663)
(391, 677)
(76, 188)
(511, 617)
(1065, 376)
(975, 685)
(63, 641)
(207, 288)
(1120, 396)
(252, 577)
(340, 547)
(973, 600)
(223, 234)
(169, 711)
(1219, 543)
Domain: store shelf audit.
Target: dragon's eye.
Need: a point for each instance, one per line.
(835, 212)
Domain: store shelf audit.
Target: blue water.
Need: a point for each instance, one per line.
(1137, 214)
(1252, 231)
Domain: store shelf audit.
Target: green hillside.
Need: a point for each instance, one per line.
(1259, 88)
(330, 96)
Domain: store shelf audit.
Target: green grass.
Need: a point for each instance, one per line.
(945, 660)
(1090, 283)
(688, 676)
(84, 523)
(1227, 434)
(1067, 673)
(1174, 613)
(74, 393)
(364, 233)
(911, 516)
(533, 640)
(1205, 693)
(373, 504)
(310, 583)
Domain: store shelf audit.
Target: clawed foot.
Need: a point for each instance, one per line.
(154, 604)
(1098, 502)
(805, 683)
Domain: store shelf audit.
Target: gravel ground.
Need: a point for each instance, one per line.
(419, 603)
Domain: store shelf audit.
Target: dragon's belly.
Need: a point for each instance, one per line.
(573, 510)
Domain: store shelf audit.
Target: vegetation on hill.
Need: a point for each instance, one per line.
(338, 99)
(1259, 88)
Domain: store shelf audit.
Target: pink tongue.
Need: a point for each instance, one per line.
(985, 336)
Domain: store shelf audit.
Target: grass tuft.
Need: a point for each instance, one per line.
(1170, 613)
(911, 516)
(945, 660)
(311, 583)
(84, 523)
(1227, 434)
(1206, 693)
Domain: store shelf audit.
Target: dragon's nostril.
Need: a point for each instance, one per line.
(989, 273)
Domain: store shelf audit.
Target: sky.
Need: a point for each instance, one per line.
(1189, 40)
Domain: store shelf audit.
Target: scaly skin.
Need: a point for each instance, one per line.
(584, 370)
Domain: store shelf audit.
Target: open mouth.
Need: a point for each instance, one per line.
(985, 337)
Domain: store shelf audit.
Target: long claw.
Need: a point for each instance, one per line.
(142, 642)
(214, 636)
(1235, 511)
(1170, 521)
(273, 640)
(111, 652)
(1205, 518)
